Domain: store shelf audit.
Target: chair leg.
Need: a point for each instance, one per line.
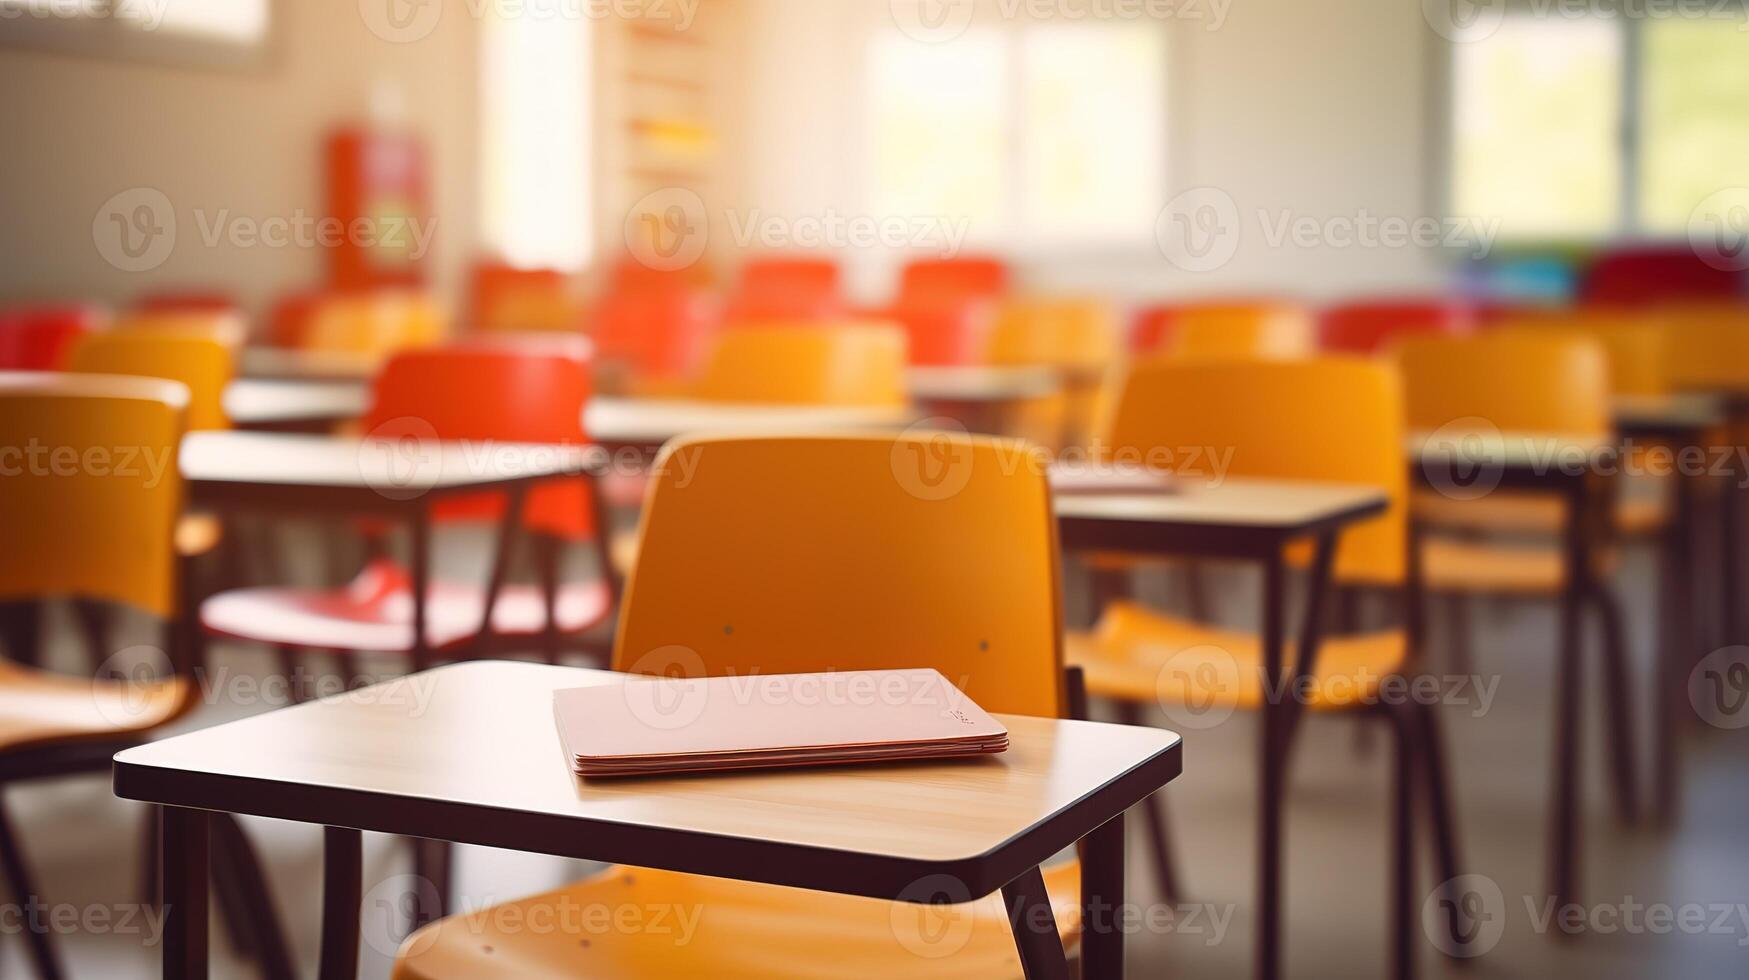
(290, 660)
(1621, 713)
(21, 631)
(245, 900)
(151, 858)
(1196, 594)
(1462, 659)
(1402, 898)
(96, 621)
(433, 861)
(1158, 822)
(24, 892)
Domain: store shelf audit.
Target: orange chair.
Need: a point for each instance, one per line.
(629, 275)
(464, 393)
(40, 338)
(1708, 346)
(819, 559)
(945, 330)
(199, 350)
(507, 298)
(1365, 326)
(860, 364)
(1526, 382)
(1075, 337)
(799, 289)
(654, 342)
(968, 277)
(1337, 420)
(99, 529)
(375, 323)
(1225, 330)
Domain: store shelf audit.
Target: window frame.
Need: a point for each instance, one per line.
(111, 38)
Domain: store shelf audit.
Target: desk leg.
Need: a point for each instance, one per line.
(1035, 929)
(1563, 841)
(185, 893)
(1271, 775)
(1678, 650)
(1102, 899)
(342, 896)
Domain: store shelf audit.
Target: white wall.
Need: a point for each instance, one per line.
(79, 129)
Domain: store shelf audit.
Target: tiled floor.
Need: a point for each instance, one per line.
(85, 847)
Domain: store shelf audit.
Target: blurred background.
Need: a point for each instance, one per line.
(332, 181)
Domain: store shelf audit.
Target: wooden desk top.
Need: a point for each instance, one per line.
(470, 753)
(981, 384)
(1688, 413)
(1236, 517)
(284, 469)
(252, 403)
(652, 422)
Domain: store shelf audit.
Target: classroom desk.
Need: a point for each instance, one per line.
(293, 364)
(648, 424)
(1250, 520)
(481, 764)
(294, 405)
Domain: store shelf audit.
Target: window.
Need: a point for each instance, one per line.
(1044, 134)
(535, 141)
(1576, 128)
(184, 31)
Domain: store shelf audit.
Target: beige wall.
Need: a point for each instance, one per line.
(80, 129)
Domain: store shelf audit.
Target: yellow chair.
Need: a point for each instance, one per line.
(378, 323)
(1076, 337)
(804, 554)
(1243, 330)
(1334, 420)
(850, 364)
(90, 490)
(1523, 381)
(200, 354)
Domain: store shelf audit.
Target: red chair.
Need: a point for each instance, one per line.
(288, 324)
(969, 276)
(945, 331)
(483, 394)
(505, 297)
(628, 275)
(657, 339)
(1363, 327)
(41, 338)
(1640, 276)
(796, 289)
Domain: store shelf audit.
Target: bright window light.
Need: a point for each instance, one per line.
(1694, 124)
(535, 117)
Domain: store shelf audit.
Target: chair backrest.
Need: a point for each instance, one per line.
(1548, 381)
(40, 338)
(786, 289)
(945, 329)
(1636, 341)
(1658, 274)
(1707, 346)
(1065, 333)
(969, 276)
(1333, 419)
(512, 299)
(486, 394)
(850, 364)
(656, 334)
(1243, 330)
(1363, 327)
(800, 554)
(374, 323)
(201, 354)
(90, 487)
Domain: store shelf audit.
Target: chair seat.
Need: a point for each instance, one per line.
(1636, 515)
(1137, 654)
(375, 612)
(725, 930)
(38, 708)
(1451, 565)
